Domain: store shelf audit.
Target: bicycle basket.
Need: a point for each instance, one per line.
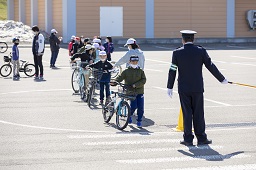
(7, 59)
(127, 92)
(97, 74)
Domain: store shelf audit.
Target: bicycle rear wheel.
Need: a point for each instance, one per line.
(90, 94)
(29, 70)
(3, 47)
(75, 80)
(83, 89)
(123, 114)
(5, 70)
(107, 112)
(117, 72)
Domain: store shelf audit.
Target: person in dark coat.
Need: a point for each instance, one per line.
(55, 46)
(189, 60)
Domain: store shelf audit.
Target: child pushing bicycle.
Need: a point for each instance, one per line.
(135, 77)
(104, 66)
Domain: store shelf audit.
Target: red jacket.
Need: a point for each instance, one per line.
(70, 47)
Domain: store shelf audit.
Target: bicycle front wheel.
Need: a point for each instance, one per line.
(29, 70)
(3, 47)
(75, 80)
(5, 70)
(107, 112)
(123, 114)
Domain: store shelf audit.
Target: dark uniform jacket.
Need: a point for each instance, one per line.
(103, 67)
(189, 60)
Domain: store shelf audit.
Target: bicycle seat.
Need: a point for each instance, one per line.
(23, 61)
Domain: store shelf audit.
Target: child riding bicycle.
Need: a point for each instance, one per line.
(135, 77)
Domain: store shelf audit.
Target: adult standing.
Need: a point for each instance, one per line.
(133, 50)
(189, 60)
(55, 46)
(38, 51)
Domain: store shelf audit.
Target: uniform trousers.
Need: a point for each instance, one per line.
(192, 105)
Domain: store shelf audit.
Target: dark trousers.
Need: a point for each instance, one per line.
(192, 105)
(54, 57)
(138, 104)
(102, 85)
(38, 63)
(108, 56)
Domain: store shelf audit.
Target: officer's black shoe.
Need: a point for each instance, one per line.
(186, 143)
(206, 142)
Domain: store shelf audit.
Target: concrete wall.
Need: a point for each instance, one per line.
(16, 10)
(57, 16)
(41, 14)
(88, 17)
(28, 12)
(208, 18)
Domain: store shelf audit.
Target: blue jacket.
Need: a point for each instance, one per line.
(109, 47)
(103, 66)
(15, 52)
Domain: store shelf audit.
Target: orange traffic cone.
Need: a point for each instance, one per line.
(180, 127)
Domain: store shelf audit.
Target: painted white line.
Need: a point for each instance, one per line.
(153, 70)
(158, 61)
(225, 167)
(242, 64)
(48, 128)
(118, 135)
(183, 159)
(213, 101)
(165, 149)
(221, 103)
(236, 46)
(18, 92)
(168, 48)
(138, 142)
(243, 57)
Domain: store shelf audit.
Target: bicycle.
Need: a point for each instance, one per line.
(119, 105)
(6, 69)
(3, 47)
(78, 80)
(93, 80)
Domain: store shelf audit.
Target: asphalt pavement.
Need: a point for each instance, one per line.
(44, 126)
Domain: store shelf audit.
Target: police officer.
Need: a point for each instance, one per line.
(188, 60)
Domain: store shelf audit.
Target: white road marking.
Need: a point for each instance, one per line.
(158, 61)
(236, 46)
(117, 135)
(138, 142)
(242, 64)
(183, 159)
(225, 167)
(165, 149)
(153, 70)
(213, 101)
(18, 92)
(243, 57)
(168, 48)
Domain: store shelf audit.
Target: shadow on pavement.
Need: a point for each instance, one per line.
(207, 153)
